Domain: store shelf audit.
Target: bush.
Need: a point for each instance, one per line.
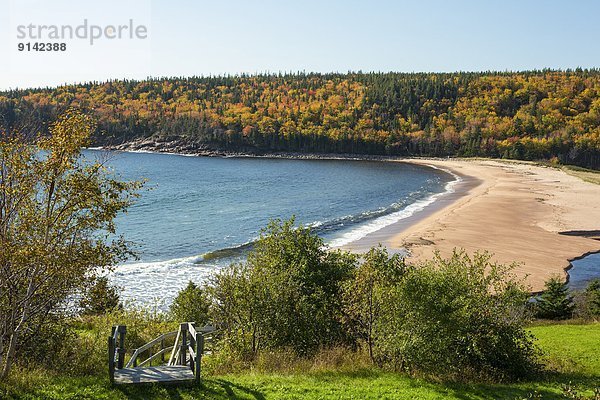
(100, 298)
(77, 345)
(587, 302)
(460, 318)
(555, 302)
(368, 296)
(191, 305)
(592, 294)
(287, 295)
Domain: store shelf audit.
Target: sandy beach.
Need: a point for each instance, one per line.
(539, 217)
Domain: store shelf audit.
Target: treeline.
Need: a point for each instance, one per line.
(534, 115)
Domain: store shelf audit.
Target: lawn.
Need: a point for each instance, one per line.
(573, 350)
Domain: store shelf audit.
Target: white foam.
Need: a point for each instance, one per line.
(389, 219)
(156, 283)
(150, 283)
(142, 151)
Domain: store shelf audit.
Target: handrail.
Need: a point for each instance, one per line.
(148, 345)
(192, 329)
(187, 349)
(174, 356)
(153, 356)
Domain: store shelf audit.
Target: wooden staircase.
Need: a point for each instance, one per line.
(183, 365)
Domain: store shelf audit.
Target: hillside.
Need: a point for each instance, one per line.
(535, 115)
(573, 352)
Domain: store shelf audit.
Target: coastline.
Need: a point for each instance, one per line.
(518, 211)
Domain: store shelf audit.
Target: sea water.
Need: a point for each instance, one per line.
(198, 214)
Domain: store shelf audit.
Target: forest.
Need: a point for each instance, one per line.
(545, 115)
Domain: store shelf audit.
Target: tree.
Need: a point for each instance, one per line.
(367, 295)
(588, 301)
(592, 293)
(287, 295)
(191, 305)
(57, 227)
(100, 298)
(555, 302)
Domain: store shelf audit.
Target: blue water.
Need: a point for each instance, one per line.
(583, 271)
(201, 213)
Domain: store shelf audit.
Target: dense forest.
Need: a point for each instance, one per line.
(534, 115)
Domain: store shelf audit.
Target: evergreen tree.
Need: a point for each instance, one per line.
(592, 295)
(555, 302)
(100, 298)
(191, 305)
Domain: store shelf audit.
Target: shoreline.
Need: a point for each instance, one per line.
(519, 212)
(454, 190)
(513, 209)
(184, 152)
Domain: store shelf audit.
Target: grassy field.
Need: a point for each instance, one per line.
(573, 351)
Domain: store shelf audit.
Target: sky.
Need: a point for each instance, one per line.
(186, 37)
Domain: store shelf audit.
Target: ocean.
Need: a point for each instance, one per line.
(198, 214)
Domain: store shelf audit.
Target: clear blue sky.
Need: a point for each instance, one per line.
(219, 37)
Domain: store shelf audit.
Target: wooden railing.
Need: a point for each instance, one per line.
(116, 350)
(188, 342)
(187, 349)
(160, 341)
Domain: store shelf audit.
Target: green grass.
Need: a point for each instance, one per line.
(573, 350)
(587, 175)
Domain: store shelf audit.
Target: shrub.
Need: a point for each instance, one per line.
(367, 297)
(191, 305)
(555, 302)
(592, 293)
(587, 302)
(287, 295)
(460, 318)
(100, 298)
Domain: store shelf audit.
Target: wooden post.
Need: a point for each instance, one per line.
(184, 345)
(199, 350)
(122, 330)
(111, 359)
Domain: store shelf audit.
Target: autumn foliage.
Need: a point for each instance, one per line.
(535, 115)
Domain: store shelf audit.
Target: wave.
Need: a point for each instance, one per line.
(364, 224)
(229, 252)
(391, 218)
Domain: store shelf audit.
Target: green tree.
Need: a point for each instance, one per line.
(288, 294)
(100, 298)
(191, 305)
(368, 294)
(236, 301)
(555, 302)
(591, 300)
(57, 227)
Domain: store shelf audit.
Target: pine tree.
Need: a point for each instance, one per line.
(100, 298)
(191, 305)
(555, 302)
(592, 294)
